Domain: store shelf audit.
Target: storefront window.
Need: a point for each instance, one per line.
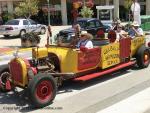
(105, 15)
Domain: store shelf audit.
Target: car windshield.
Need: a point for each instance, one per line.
(12, 22)
(82, 24)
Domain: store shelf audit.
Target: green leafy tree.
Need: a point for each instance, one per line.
(86, 12)
(27, 8)
(127, 4)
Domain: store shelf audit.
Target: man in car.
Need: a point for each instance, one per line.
(83, 41)
(77, 28)
(135, 30)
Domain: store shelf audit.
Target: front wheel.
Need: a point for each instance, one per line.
(42, 90)
(5, 84)
(143, 57)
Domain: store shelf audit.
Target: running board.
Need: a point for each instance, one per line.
(107, 71)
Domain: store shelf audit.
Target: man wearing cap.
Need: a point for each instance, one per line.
(135, 30)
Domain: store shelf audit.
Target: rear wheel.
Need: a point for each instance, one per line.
(42, 90)
(143, 57)
(22, 32)
(6, 36)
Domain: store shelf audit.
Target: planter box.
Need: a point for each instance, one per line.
(28, 43)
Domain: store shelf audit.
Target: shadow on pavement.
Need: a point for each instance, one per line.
(69, 86)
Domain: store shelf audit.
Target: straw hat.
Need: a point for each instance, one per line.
(135, 24)
(88, 35)
(83, 32)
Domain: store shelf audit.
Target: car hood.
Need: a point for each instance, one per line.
(68, 31)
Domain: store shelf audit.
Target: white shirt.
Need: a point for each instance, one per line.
(133, 34)
(118, 35)
(135, 7)
(140, 31)
(86, 43)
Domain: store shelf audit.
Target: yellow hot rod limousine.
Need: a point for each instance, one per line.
(51, 65)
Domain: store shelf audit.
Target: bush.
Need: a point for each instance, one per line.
(30, 39)
(86, 12)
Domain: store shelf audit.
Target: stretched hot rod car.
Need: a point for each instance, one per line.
(51, 65)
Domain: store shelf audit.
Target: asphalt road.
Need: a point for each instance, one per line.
(88, 97)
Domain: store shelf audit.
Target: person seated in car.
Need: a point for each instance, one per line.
(115, 23)
(85, 40)
(74, 38)
(120, 33)
(135, 30)
(77, 29)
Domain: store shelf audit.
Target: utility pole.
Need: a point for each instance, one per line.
(49, 27)
(48, 12)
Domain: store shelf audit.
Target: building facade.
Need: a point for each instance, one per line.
(61, 9)
(64, 8)
(8, 5)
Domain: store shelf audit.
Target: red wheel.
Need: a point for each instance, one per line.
(146, 58)
(5, 84)
(143, 57)
(42, 90)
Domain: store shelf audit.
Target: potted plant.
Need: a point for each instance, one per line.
(86, 12)
(30, 40)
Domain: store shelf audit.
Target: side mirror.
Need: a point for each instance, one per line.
(83, 49)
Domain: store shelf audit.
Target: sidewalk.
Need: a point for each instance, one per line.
(138, 103)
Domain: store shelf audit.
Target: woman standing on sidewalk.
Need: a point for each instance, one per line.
(136, 10)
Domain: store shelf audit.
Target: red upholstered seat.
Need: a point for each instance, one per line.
(112, 36)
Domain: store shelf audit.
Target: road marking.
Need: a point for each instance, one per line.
(20, 50)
